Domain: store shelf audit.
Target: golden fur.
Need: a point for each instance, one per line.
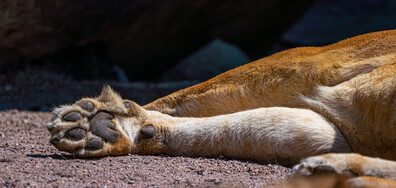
(351, 83)
(339, 98)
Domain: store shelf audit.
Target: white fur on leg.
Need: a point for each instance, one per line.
(275, 134)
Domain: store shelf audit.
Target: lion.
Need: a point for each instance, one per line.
(321, 109)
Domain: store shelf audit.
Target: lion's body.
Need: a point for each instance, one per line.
(291, 105)
(352, 83)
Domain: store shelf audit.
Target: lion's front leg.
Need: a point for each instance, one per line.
(274, 135)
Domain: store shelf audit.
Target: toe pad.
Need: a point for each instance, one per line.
(72, 116)
(86, 105)
(75, 134)
(94, 144)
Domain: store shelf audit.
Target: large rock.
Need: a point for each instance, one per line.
(143, 37)
(209, 61)
(329, 21)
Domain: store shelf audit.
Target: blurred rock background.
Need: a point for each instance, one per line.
(57, 51)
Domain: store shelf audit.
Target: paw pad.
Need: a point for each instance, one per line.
(75, 134)
(72, 116)
(80, 138)
(101, 125)
(94, 144)
(86, 105)
(148, 131)
(127, 104)
(89, 128)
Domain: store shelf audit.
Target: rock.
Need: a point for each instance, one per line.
(329, 21)
(142, 37)
(168, 33)
(213, 59)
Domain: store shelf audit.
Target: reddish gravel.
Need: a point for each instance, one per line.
(27, 159)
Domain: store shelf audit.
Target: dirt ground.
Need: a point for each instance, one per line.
(28, 160)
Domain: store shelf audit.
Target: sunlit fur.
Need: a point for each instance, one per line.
(293, 104)
(350, 83)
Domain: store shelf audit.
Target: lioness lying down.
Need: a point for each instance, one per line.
(293, 107)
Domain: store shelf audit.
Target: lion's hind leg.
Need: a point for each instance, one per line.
(367, 171)
(372, 182)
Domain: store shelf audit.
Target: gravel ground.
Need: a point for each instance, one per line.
(27, 159)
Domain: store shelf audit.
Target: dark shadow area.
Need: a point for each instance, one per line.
(64, 157)
(53, 156)
(85, 62)
(74, 49)
(145, 38)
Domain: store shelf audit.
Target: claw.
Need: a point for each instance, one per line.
(54, 140)
(302, 169)
(79, 151)
(50, 126)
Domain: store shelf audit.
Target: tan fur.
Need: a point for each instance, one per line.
(371, 182)
(358, 93)
(322, 181)
(307, 101)
(338, 181)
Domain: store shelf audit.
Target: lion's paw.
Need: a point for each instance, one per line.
(92, 127)
(328, 163)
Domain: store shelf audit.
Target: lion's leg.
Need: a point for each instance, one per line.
(349, 164)
(244, 88)
(276, 134)
(329, 180)
(207, 99)
(371, 182)
(106, 125)
(109, 125)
